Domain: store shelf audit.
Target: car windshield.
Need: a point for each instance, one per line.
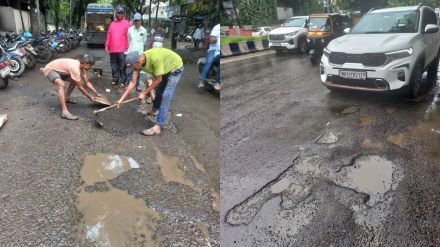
(391, 22)
(321, 24)
(295, 22)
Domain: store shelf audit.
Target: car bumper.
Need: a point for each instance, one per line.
(392, 76)
(283, 45)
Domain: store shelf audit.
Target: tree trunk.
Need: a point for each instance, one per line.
(157, 10)
(149, 16)
(21, 16)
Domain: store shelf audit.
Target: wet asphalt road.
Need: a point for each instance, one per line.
(41, 157)
(303, 166)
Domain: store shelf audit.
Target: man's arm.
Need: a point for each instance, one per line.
(129, 88)
(107, 40)
(89, 84)
(84, 91)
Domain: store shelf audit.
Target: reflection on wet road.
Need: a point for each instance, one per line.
(303, 166)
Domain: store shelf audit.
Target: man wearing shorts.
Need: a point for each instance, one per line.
(70, 70)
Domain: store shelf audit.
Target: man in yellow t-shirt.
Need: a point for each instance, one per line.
(166, 66)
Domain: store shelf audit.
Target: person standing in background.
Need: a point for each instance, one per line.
(137, 40)
(116, 44)
(198, 36)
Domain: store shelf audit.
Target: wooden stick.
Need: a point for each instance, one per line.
(113, 106)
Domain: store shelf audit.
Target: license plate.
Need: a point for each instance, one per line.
(356, 75)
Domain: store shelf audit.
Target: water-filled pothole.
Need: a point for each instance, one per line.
(112, 217)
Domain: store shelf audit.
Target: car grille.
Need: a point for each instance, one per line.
(367, 59)
(276, 36)
(367, 83)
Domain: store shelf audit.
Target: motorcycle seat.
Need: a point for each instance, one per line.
(12, 46)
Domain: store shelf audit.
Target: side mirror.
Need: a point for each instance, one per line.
(347, 30)
(431, 28)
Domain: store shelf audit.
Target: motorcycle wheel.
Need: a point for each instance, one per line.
(3, 83)
(44, 54)
(31, 61)
(17, 66)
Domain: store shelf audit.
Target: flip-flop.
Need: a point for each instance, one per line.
(150, 132)
(69, 116)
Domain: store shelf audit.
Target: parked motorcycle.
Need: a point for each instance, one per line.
(17, 64)
(5, 72)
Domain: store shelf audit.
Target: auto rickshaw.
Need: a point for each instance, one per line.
(322, 29)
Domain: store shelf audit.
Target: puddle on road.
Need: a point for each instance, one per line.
(198, 165)
(365, 121)
(172, 169)
(390, 109)
(368, 144)
(113, 217)
(215, 200)
(329, 138)
(398, 139)
(102, 167)
(280, 186)
(369, 174)
(350, 110)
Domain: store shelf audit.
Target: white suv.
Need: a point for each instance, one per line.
(291, 35)
(387, 50)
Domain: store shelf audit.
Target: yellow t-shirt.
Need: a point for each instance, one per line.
(161, 61)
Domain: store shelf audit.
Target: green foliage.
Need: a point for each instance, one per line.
(235, 39)
(256, 12)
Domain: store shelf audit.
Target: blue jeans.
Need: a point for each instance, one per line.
(211, 58)
(129, 75)
(167, 95)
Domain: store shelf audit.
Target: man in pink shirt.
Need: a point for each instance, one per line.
(70, 70)
(116, 44)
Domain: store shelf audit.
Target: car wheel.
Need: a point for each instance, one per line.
(302, 46)
(432, 71)
(416, 81)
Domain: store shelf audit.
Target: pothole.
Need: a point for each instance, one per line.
(372, 175)
(397, 139)
(368, 179)
(365, 121)
(112, 217)
(173, 170)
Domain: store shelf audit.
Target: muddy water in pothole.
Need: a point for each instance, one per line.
(172, 169)
(372, 175)
(398, 139)
(102, 167)
(113, 217)
(365, 121)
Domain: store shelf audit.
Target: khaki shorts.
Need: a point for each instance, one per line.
(53, 75)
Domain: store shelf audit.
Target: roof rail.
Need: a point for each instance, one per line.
(419, 6)
(370, 10)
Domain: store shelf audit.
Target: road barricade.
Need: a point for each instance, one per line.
(259, 45)
(243, 47)
(234, 48)
(225, 50)
(251, 46)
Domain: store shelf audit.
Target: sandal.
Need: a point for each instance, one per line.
(151, 132)
(113, 83)
(71, 101)
(69, 116)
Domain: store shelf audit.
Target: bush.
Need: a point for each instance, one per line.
(234, 39)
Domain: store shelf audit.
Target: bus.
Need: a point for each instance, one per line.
(98, 19)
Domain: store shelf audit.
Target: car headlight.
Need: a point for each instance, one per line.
(326, 52)
(398, 54)
(292, 34)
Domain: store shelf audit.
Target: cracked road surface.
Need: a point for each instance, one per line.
(303, 166)
(66, 183)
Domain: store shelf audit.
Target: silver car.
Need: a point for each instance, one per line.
(292, 35)
(388, 49)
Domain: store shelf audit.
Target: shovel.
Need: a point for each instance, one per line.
(101, 124)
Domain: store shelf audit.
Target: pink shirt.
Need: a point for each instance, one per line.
(117, 40)
(64, 66)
